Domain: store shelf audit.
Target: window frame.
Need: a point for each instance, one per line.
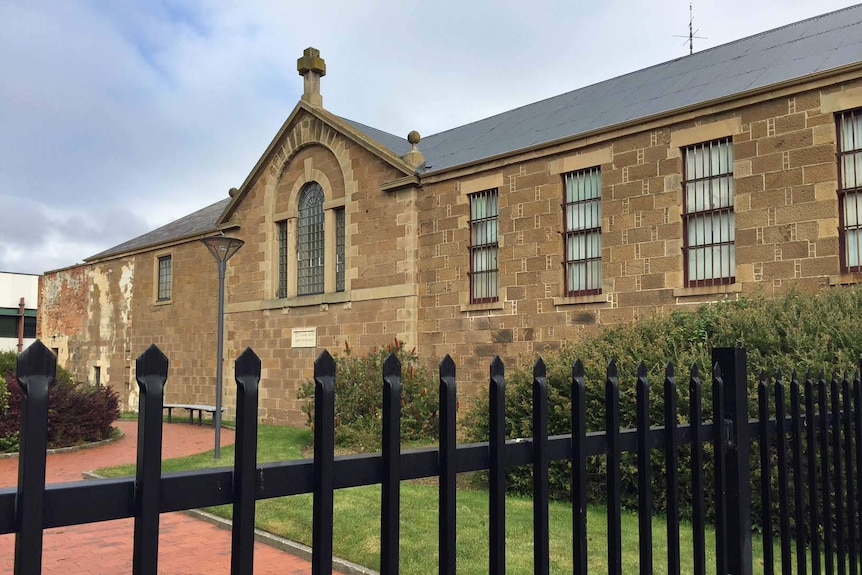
(164, 287)
(491, 246)
(281, 239)
(843, 226)
(711, 213)
(340, 244)
(311, 241)
(594, 204)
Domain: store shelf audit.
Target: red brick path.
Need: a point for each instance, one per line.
(187, 546)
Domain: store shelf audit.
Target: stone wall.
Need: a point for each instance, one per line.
(85, 316)
(786, 214)
(378, 302)
(407, 250)
(184, 327)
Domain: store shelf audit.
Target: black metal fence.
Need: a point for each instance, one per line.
(817, 449)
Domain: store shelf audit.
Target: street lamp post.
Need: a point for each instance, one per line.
(222, 248)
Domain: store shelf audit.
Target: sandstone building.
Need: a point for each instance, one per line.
(731, 170)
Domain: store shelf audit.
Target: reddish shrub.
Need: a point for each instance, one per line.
(76, 414)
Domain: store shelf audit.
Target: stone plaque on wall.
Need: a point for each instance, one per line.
(304, 337)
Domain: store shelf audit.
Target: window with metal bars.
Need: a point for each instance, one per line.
(708, 222)
(281, 231)
(310, 241)
(483, 247)
(339, 249)
(164, 279)
(582, 220)
(850, 189)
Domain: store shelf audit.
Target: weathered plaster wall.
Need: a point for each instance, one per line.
(85, 317)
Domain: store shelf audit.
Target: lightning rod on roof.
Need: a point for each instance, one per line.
(691, 32)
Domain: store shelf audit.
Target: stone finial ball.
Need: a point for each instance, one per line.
(413, 137)
(232, 192)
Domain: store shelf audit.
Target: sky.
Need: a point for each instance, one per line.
(119, 116)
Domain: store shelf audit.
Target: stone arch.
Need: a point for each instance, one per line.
(310, 132)
(310, 176)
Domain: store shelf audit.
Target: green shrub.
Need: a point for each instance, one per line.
(794, 330)
(359, 397)
(77, 413)
(8, 363)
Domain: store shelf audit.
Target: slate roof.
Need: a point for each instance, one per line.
(399, 146)
(196, 223)
(818, 44)
(797, 50)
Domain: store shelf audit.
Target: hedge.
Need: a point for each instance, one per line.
(77, 413)
(359, 397)
(796, 330)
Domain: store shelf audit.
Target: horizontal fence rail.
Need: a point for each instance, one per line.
(809, 452)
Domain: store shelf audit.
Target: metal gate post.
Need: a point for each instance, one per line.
(734, 429)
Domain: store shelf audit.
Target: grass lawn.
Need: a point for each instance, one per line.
(357, 531)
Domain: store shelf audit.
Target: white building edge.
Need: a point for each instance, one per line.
(19, 295)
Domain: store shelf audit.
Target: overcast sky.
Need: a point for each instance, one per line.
(117, 117)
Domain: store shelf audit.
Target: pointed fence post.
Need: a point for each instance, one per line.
(644, 472)
(672, 467)
(151, 370)
(390, 486)
(613, 481)
(497, 469)
(732, 362)
(579, 468)
(324, 464)
(448, 471)
(247, 376)
(36, 372)
(541, 537)
(698, 509)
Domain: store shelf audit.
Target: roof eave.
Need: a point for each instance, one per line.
(159, 245)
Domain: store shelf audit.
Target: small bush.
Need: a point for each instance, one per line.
(8, 362)
(359, 397)
(796, 330)
(77, 413)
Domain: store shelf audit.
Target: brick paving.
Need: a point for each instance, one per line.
(187, 546)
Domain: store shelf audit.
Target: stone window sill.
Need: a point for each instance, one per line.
(845, 279)
(163, 302)
(581, 299)
(307, 300)
(707, 290)
(467, 307)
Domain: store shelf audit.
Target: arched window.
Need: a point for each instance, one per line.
(310, 240)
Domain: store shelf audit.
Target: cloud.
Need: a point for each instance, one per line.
(35, 238)
(118, 117)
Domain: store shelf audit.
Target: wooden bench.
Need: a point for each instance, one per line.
(191, 409)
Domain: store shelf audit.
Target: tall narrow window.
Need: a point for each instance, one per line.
(583, 225)
(281, 232)
(483, 247)
(309, 252)
(165, 275)
(709, 233)
(850, 189)
(339, 249)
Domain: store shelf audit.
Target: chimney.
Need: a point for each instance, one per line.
(311, 67)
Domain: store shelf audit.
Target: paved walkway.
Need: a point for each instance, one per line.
(187, 546)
